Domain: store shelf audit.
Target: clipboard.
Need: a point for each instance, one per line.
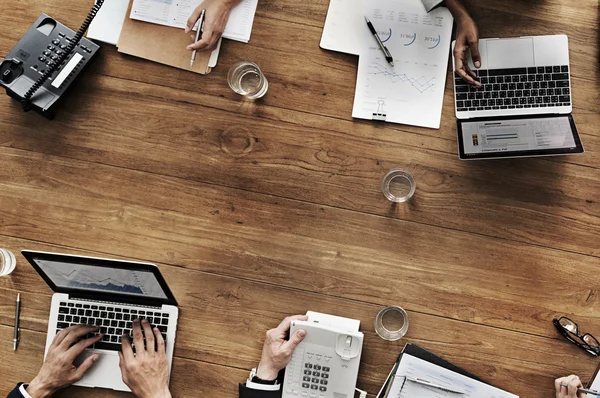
(421, 353)
(162, 44)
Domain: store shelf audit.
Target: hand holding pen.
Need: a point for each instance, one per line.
(571, 387)
(216, 15)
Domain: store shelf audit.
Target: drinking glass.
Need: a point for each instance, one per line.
(7, 262)
(246, 78)
(398, 185)
(391, 323)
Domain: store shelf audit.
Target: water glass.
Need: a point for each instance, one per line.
(391, 323)
(246, 78)
(398, 185)
(7, 262)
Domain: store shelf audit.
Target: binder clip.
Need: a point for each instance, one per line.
(380, 115)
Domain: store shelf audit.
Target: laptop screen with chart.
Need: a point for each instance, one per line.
(411, 91)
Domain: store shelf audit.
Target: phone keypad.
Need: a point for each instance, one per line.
(318, 376)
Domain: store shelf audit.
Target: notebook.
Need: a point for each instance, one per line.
(162, 44)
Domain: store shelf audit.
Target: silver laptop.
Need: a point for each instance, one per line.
(109, 294)
(524, 105)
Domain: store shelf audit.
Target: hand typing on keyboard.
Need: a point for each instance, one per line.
(467, 38)
(58, 370)
(147, 372)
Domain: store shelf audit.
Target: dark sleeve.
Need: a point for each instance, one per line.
(15, 393)
(246, 392)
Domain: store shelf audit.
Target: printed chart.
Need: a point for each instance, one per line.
(411, 91)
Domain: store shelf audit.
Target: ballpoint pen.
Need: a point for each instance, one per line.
(17, 320)
(585, 391)
(431, 384)
(198, 33)
(386, 52)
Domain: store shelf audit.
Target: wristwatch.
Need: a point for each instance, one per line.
(255, 379)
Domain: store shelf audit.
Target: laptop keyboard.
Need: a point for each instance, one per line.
(114, 321)
(515, 88)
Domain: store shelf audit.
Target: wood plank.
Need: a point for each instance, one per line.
(290, 243)
(528, 200)
(214, 306)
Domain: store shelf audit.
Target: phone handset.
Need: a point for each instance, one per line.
(67, 52)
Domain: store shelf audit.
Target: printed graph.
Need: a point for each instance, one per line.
(422, 84)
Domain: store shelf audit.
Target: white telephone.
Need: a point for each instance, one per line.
(325, 364)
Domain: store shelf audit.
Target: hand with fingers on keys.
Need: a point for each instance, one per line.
(277, 351)
(467, 41)
(566, 387)
(215, 20)
(146, 372)
(58, 370)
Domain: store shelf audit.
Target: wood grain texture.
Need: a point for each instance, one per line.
(255, 211)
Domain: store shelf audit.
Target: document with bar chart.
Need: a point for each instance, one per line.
(412, 91)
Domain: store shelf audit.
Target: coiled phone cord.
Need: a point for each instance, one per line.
(74, 42)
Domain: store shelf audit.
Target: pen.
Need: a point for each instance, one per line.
(389, 381)
(430, 384)
(17, 319)
(585, 391)
(198, 33)
(386, 52)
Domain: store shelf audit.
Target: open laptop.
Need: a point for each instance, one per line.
(109, 294)
(524, 106)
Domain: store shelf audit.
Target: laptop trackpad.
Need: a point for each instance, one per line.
(510, 53)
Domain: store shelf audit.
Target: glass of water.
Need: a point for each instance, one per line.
(398, 185)
(7, 262)
(246, 78)
(391, 323)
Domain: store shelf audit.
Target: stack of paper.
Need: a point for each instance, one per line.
(411, 91)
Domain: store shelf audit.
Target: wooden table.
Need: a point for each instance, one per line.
(254, 211)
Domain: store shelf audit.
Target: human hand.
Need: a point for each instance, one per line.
(566, 387)
(467, 38)
(277, 352)
(215, 19)
(58, 370)
(147, 372)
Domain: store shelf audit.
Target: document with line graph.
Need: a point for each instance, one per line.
(411, 91)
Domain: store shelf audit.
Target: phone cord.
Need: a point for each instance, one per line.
(74, 42)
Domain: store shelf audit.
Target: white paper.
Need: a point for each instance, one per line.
(343, 26)
(175, 13)
(214, 56)
(595, 385)
(412, 91)
(418, 368)
(106, 26)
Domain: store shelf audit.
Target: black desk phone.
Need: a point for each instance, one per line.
(46, 62)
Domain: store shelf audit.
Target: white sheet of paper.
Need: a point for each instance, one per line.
(343, 26)
(412, 91)
(176, 13)
(416, 367)
(106, 26)
(595, 384)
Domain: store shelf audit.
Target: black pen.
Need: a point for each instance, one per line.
(17, 320)
(386, 52)
(585, 391)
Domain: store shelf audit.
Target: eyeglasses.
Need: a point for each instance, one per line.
(570, 330)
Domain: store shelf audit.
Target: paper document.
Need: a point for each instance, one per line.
(412, 91)
(175, 13)
(418, 368)
(106, 26)
(343, 26)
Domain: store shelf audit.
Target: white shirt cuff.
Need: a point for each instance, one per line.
(23, 392)
(254, 386)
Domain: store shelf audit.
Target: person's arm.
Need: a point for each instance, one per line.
(147, 372)
(58, 370)
(215, 21)
(276, 355)
(467, 38)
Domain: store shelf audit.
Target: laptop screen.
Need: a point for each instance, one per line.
(132, 282)
(518, 136)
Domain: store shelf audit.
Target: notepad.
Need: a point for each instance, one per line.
(343, 26)
(176, 13)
